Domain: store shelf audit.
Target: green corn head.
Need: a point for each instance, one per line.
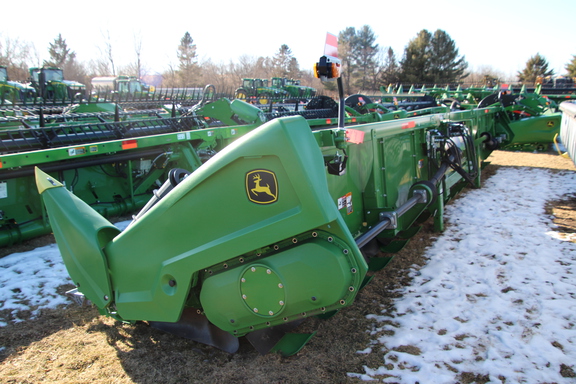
(282, 223)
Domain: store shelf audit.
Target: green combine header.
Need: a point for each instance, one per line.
(253, 225)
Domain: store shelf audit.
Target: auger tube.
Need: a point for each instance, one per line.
(419, 197)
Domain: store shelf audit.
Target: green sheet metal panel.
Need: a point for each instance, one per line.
(210, 218)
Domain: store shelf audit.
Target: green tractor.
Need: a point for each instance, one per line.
(123, 86)
(50, 85)
(12, 92)
(293, 87)
(257, 90)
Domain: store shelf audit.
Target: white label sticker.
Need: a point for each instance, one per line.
(183, 136)
(346, 202)
(76, 151)
(3, 190)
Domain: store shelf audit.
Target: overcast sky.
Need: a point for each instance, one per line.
(496, 33)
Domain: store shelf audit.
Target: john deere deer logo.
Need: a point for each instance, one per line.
(261, 186)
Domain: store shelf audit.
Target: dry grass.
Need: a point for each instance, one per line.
(77, 345)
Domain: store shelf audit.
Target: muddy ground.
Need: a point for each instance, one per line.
(77, 345)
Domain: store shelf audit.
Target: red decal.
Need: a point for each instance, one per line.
(129, 144)
(410, 124)
(355, 136)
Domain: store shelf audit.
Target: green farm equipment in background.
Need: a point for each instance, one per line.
(258, 91)
(113, 161)
(36, 116)
(110, 88)
(12, 93)
(51, 87)
(254, 226)
(296, 91)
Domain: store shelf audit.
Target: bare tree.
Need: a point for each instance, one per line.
(99, 67)
(14, 54)
(308, 79)
(107, 51)
(138, 52)
(220, 76)
(244, 67)
(170, 77)
(134, 68)
(486, 75)
(130, 69)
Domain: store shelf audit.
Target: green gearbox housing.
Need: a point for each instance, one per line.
(314, 276)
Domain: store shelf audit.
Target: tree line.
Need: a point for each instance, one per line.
(430, 58)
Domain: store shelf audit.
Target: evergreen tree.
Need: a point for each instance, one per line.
(445, 66)
(294, 69)
(415, 64)
(390, 70)
(536, 69)
(188, 69)
(357, 52)
(346, 45)
(571, 67)
(365, 51)
(285, 64)
(64, 58)
(59, 52)
(432, 58)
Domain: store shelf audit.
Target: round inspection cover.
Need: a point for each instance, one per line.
(262, 290)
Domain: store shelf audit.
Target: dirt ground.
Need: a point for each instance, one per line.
(77, 345)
